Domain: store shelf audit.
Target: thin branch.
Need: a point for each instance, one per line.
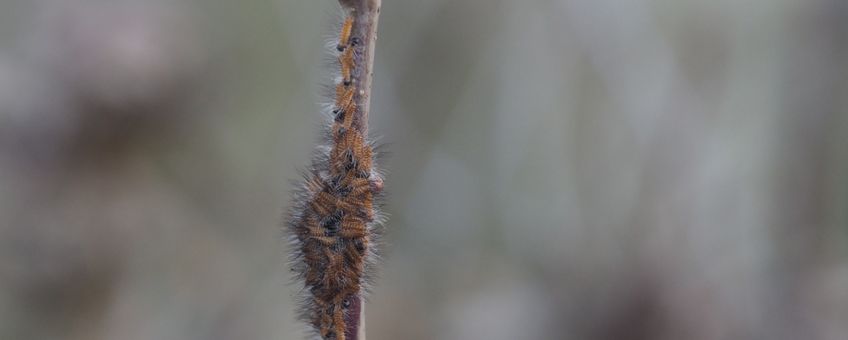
(335, 215)
(366, 14)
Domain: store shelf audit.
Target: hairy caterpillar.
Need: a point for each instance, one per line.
(334, 219)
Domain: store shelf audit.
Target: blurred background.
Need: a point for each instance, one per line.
(559, 169)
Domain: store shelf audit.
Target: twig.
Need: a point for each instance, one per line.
(334, 218)
(365, 15)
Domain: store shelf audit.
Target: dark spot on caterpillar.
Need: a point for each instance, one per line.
(331, 335)
(359, 245)
(334, 183)
(346, 303)
(340, 47)
(364, 214)
(349, 163)
(339, 115)
(355, 41)
(346, 82)
(332, 229)
(342, 191)
(331, 223)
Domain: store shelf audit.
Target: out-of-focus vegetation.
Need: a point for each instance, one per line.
(560, 169)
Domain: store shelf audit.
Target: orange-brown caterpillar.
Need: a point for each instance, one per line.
(334, 220)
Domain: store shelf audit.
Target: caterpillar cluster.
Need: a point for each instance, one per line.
(334, 221)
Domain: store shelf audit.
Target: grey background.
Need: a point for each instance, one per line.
(559, 169)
